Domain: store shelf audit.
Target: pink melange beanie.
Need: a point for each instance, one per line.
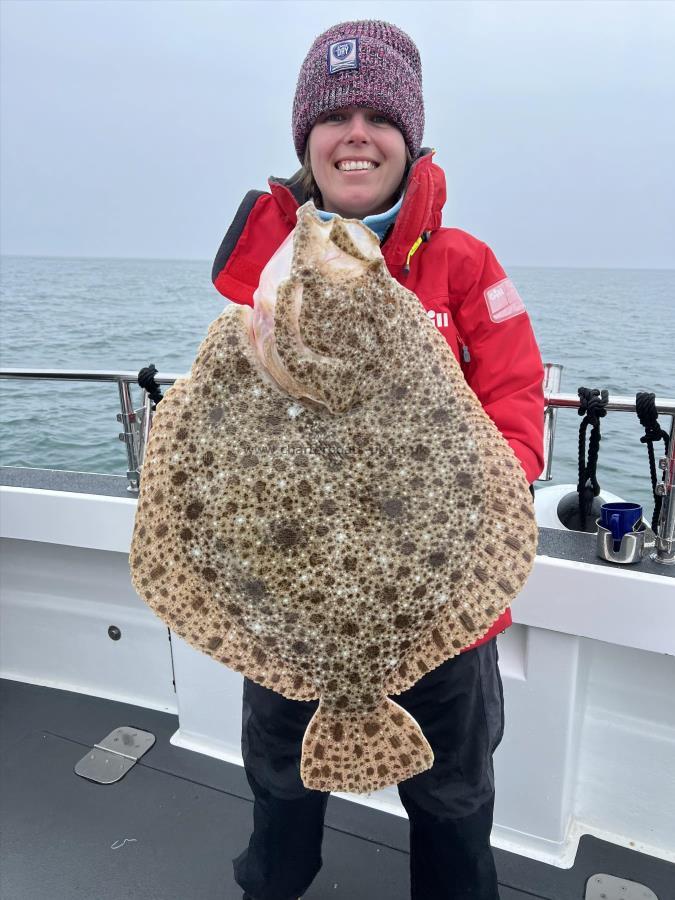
(362, 63)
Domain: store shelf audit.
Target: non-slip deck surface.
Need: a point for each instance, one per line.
(170, 828)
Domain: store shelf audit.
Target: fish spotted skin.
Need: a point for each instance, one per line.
(330, 510)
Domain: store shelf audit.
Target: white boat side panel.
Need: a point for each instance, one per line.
(209, 703)
(66, 517)
(57, 605)
(626, 773)
(607, 603)
(561, 595)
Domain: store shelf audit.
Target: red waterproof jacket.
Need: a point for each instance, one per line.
(459, 282)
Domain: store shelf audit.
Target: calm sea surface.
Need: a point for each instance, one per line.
(608, 328)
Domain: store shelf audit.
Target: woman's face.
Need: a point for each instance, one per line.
(357, 133)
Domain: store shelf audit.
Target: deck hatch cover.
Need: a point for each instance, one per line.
(609, 887)
(112, 758)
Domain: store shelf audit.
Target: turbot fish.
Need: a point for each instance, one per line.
(326, 507)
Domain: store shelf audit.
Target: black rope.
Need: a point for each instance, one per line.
(592, 405)
(648, 416)
(147, 381)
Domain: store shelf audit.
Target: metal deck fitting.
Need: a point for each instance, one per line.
(609, 887)
(118, 752)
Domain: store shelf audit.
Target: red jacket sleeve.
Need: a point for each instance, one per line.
(505, 369)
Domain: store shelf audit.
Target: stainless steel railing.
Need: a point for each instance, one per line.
(554, 400)
(137, 423)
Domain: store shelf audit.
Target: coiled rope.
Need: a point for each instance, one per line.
(147, 381)
(648, 415)
(592, 405)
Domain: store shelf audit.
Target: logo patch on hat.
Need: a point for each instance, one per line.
(342, 55)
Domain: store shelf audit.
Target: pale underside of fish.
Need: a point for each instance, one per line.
(326, 507)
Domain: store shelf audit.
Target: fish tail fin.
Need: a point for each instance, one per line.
(360, 753)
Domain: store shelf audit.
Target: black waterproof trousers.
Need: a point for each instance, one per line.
(460, 708)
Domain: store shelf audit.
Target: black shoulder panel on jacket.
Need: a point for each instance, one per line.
(234, 232)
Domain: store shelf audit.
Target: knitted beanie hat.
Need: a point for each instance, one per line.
(362, 63)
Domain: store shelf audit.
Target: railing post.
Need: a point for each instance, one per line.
(130, 434)
(665, 541)
(552, 378)
(145, 427)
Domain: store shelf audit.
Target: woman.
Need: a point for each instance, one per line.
(358, 120)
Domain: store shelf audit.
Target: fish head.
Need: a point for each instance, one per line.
(334, 312)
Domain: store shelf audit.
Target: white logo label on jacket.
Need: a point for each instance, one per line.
(440, 319)
(503, 301)
(342, 55)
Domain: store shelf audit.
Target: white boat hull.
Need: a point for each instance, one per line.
(588, 670)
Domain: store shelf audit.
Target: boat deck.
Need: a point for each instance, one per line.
(169, 829)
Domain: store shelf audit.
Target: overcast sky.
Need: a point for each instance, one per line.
(134, 128)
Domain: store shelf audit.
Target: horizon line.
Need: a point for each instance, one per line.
(210, 262)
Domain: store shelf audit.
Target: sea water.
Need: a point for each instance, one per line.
(608, 328)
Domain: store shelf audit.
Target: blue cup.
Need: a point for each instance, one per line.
(620, 519)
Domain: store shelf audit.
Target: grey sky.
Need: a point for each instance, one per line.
(134, 129)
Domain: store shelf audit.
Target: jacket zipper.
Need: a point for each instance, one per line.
(464, 350)
(421, 239)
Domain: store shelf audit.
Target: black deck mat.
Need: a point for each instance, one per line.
(170, 828)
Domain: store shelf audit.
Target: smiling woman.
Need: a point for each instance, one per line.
(357, 125)
(349, 135)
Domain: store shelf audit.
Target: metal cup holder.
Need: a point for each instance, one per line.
(631, 549)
